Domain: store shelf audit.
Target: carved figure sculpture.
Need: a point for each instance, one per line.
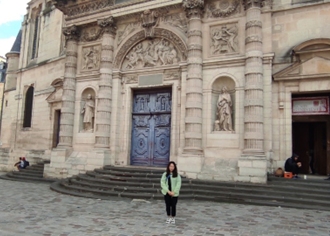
(149, 53)
(90, 58)
(224, 112)
(224, 40)
(88, 113)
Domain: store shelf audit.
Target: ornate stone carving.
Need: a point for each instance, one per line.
(222, 8)
(80, 8)
(267, 4)
(190, 4)
(180, 45)
(149, 20)
(253, 38)
(91, 34)
(91, 58)
(224, 112)
(129, 79)
(128, 29)
(150, 53)
(251, 3)
(108, 25)
(71, 32)
(194, 8)
(253, 23)
(224, 39)
(88, 112)
(178, 21)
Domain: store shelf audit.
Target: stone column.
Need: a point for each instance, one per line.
(252, 165)
(194, 92)
(254, 98)
(103, 117)
(69, 86)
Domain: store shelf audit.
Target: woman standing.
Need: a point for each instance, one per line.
(171, 184)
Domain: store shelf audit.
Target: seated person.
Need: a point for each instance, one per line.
(19, 162)
(292, 165)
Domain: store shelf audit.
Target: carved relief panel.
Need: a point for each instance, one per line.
(90, 58)
(224, 39)
(151, 53)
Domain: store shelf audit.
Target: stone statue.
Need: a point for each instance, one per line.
(88, 113)
(224, 112)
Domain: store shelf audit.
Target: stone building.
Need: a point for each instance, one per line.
(228, 89)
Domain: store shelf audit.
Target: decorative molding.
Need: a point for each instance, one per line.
(222, 8)
(71, 32)
(253, 38)
(253, 23)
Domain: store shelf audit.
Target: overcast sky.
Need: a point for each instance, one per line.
(11, 17)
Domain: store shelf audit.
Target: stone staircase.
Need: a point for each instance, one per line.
(33, 173)
(139, 183)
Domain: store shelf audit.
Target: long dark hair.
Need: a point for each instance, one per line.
(175, 171)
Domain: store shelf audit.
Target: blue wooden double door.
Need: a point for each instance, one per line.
(151, 126)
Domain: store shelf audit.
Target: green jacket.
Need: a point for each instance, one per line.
(175, 184)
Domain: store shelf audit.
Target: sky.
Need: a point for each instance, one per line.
(11, 17)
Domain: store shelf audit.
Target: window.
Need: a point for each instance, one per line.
(28, 107)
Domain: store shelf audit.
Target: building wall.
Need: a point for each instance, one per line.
(284, 27)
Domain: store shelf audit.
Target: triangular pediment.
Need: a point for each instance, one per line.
(311, 68)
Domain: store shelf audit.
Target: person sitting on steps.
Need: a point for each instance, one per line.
(292, 165)
(18, 163)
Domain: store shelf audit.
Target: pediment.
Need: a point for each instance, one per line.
(312, 68)
(55, 96)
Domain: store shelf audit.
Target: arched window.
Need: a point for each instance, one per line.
(28, 107)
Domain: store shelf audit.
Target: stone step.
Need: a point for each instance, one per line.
(135, 169)
(130, 182)
(11, 176)
(207, 189)
(128, 174)
(32, 173)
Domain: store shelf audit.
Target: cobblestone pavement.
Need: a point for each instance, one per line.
(33, 209)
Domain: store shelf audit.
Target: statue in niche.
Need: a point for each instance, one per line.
(224, 112)
(224, 40)
(88, 113)
(90, 58)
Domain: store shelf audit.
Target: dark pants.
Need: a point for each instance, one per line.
(170, 204)
(294, 169)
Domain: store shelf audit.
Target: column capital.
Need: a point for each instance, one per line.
(193, 8)
(108, 25)
(252, 3)
(71, 32)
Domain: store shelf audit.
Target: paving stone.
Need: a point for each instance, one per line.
(33, 209)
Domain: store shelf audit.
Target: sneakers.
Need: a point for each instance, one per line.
(170, 221)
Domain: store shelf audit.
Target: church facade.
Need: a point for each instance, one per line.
(227, 89)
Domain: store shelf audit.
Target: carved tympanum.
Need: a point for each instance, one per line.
(224, 39)
(91, 58)
(151, 53)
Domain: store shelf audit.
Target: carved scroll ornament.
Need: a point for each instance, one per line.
(71, 32)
